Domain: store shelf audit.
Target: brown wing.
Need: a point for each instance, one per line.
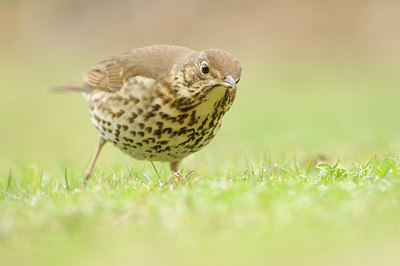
(107, 75)
(150, 62)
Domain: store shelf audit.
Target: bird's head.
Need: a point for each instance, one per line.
(202, 72)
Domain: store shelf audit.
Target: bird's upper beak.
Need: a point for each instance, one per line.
(230, 82)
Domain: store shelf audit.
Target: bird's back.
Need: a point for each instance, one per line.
(149, 62)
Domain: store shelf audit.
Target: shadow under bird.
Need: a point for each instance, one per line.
(160, 102)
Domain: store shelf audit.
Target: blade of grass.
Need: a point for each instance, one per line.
(66, 179)
(337, 163)
(155, 169)
(9, 178)
(309, 166)
(40, 180)
(129, 171)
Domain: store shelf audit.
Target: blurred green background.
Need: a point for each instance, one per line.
(320, 78)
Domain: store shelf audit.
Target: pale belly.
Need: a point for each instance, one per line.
(151, 131)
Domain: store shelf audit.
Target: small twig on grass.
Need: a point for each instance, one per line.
(178, 178)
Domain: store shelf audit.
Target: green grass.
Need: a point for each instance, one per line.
(305, 171)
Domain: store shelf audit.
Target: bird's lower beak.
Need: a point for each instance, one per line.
(230, 82)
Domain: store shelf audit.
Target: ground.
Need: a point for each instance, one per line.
(305, 170)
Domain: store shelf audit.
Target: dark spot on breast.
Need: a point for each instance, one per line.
(152, 140)
(141, 125)
(141, 133)
(157, 132)
(149, 115)
(166, 100)
(203, 123)
(181, 118)
(140, 111)
(120, 113)
(134, 99)
(182, 130)
(198, 141)
(156, 147)
(133, 115)
(167, 130)
(128, 139)
(156, 107)
(148, 129)
(133, 133)
(193, 119)
(187, 108)
(164, 116)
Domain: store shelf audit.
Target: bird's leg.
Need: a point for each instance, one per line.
(174, 166)
(101, 144)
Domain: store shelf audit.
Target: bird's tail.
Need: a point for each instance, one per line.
(72, 87)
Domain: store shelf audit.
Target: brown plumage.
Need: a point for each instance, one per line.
(160, 102)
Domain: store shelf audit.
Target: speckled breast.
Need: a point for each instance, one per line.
(154, 127)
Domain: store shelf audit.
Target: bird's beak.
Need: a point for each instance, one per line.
(230, 82)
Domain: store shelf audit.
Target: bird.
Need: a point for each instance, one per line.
(159, 102)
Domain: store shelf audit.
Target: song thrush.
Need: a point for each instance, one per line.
(160, 102)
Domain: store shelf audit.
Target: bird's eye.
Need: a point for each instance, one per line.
(204, 68)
